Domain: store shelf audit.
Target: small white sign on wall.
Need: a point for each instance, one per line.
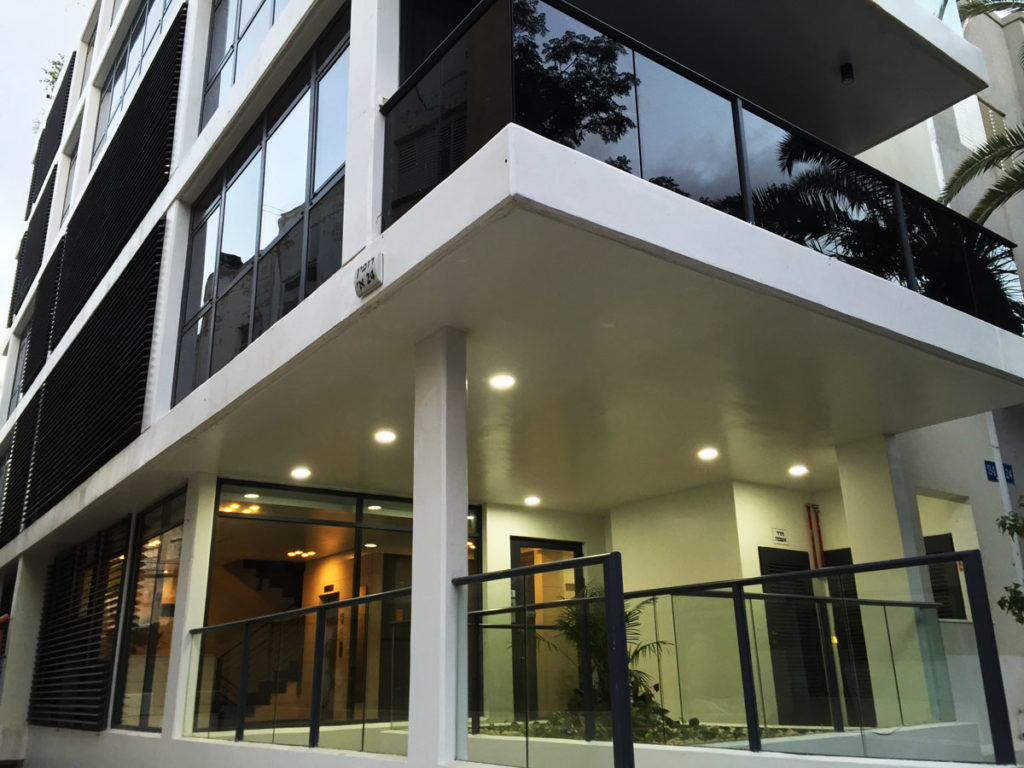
(370, 276)
(780, 537)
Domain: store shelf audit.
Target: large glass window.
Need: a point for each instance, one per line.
(236, 29)
(128, 65)
(157, 558)
(268, 231)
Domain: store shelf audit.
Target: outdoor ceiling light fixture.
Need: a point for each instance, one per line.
(531, 501)
(798, 470)
(370, 545)
(385, 436)
(374, 508)
(846, 73)
(251, 496)
(707, 454)
(301, 473)
(502, 381)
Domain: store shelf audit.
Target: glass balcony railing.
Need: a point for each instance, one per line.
(848, 661)
(946, 11)
(567, 77)
(298, 679)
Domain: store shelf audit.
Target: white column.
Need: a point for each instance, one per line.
(373, 76)
(167, 317)
(22, 636)
(440, 500)
(190, 607)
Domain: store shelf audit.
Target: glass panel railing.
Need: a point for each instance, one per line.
(535, 670)
(334, 676)
(527, 62)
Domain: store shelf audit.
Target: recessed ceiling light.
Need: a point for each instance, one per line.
(251, 496)
(385, 436)
(531, 501)
(302, 473)
(798, 470)
(375, 508)
(707, 454)
(470, 517)
(502, 381)
(370, 545)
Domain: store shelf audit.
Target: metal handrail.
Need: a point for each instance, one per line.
(362, 599)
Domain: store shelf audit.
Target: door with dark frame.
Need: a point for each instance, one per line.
(530, 657)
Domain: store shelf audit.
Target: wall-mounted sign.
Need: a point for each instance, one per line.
(993, 474)
(370, 276)
(779, 536)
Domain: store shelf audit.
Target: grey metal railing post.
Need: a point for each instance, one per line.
(618, 663)
(988, 659)
(742, 160)
(746, 669)
(317, 689)
(243, 683)
(907, 254)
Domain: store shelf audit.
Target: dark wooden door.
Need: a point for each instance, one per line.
(848, 626)
(795, 641)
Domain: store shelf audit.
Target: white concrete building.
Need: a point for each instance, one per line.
(344, 301)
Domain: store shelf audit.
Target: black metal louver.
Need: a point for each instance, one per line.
(42, 319)
(50, 138)
(77, 634)
(30, 256)
(19, 471)
(134, 170)
(94, 396)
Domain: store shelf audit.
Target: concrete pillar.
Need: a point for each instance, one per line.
(905, 658)
(373, 76)
(190, 608)
(22, 636)
(440, 500)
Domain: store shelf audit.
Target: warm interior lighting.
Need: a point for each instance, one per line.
(707, 454)
(375, 508)
(252, 509)
(302, 473)
(798, 470)
(152, 543)
(251, 496)
(385, 436)
(531, 501)
(502, 381)
(370, 545)
(301, 553)
(471, 544)
(233, 506)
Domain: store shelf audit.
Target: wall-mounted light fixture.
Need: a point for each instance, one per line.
(846, 73)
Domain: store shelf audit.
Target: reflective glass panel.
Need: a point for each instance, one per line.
(687, 137)
(211, 99)
(231, 324)
(238, 243)
(291, 503)
(222, 32)
(278, 281)
(331, 120)
(158, 558)
(153, 17)
(393, 514)
(284, 182)
(203, 262)
(325, 231)
(575, 86)
(262, 567)
(193, 356)
(135, 51)
(253, 36)
(807, 193)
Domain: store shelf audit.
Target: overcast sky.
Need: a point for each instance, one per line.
(33, 32)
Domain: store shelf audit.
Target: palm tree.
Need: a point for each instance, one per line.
(1004, 151)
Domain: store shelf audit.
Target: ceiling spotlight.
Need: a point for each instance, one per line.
(385, 436)
(251, 496)
(798, 470)
(531, 501)
(301, 473)
(502, 381)
(707, 454)
(375, 508)
(471, 545)
(370, 545)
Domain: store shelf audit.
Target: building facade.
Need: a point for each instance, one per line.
(328, 314)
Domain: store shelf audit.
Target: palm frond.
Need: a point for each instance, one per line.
(1010, 183)
(993, 153)
(972, 8)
